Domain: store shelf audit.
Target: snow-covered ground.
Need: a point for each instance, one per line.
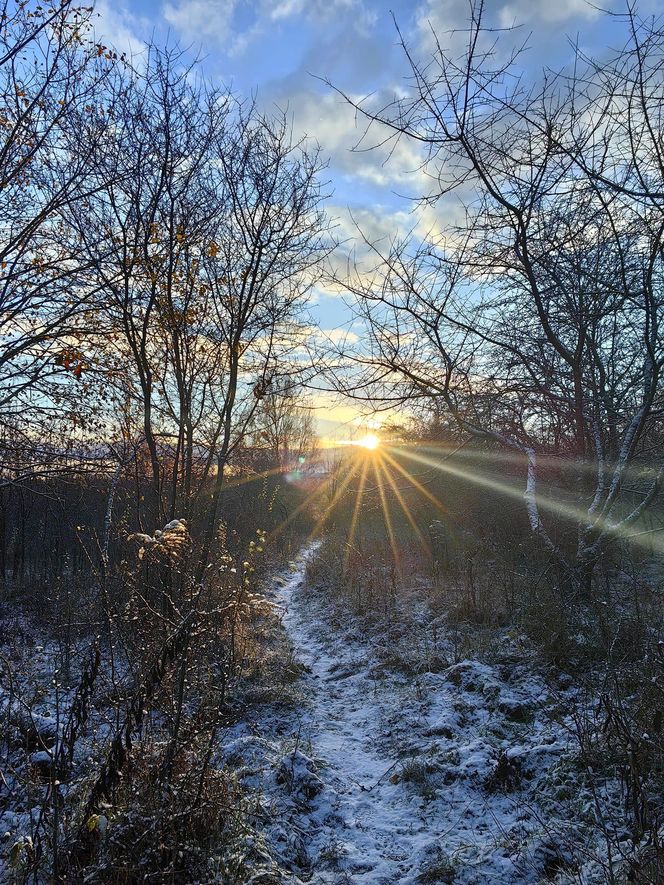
(464, 775)
(388, 752)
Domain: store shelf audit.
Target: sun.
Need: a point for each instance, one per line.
(370, 441)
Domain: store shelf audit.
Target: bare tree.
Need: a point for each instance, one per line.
(536, 319)
(144, 234)
(160, 241)
(51, 78)
(205, 244)
(268, 254)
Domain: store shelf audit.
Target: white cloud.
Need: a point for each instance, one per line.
(447, 22)
(115, 26)
(447, 16)
(317, 9)
(522, 11)
(374, 157)
(357, 13)
(198, 19)
(335, 336)
(377, 223)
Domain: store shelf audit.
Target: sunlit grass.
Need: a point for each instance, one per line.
(575, 515)
(386, 513)
(403, 505)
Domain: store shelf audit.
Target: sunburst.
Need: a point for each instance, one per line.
(370, 442)
(393, 481)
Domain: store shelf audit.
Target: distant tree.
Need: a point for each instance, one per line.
(269, 254)
(284, 427)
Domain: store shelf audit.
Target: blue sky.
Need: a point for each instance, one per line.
(276, 49)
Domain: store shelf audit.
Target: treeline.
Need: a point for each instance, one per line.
(54, 529)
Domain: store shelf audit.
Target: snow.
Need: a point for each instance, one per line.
(384, 758)
(379, 773)
(394, 778)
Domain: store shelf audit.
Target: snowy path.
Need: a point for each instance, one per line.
(376, 830)
(424, 778)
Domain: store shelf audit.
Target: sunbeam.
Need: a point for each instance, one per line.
(576, 515)
(404, 506)
(413, 481)
(356, 512)
(386, 516)
(370, 441)
(301, 508)
(336, 497)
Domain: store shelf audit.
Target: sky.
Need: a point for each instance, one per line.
(282, 51)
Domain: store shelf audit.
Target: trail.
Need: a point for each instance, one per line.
(420, 776)
(375, 828)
